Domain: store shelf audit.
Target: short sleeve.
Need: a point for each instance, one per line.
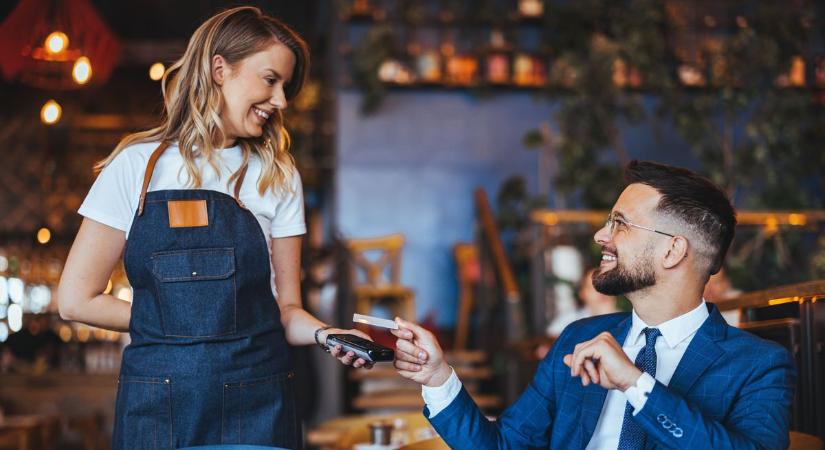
(113, 198)
(288, 219)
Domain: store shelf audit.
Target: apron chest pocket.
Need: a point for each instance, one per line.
(196, 291)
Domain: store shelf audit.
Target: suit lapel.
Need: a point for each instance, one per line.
(701, 353)
(593, 395)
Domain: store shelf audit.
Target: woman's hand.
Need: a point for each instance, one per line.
(346, 358)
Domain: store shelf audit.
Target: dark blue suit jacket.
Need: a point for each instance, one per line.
(731, 390)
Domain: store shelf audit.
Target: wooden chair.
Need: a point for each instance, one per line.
(467, 269)
(802, 441)
(377, 280)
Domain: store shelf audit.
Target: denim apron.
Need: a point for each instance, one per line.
(208, 361)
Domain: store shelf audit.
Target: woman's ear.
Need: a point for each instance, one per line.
(219, 69)
(677, 251)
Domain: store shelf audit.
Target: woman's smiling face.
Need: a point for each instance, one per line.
(253, 90)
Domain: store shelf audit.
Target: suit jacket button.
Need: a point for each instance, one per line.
(661, 418)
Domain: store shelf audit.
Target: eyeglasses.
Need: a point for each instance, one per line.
(612, 221)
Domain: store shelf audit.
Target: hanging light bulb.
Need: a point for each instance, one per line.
(50, 112)
(56, 42)
(82, 70)
(156, 71)
(44, 235)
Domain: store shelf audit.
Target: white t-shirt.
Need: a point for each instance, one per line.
(115, 194)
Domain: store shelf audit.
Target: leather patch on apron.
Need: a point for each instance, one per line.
(187, 213)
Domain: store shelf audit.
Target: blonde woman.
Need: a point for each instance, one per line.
(207, 210)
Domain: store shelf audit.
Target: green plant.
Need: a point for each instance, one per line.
(762, 143)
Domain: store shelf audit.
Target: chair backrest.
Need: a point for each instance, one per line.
(468, 272)
(376, 261)
(802, 441)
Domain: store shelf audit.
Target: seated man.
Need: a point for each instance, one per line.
(670, 374)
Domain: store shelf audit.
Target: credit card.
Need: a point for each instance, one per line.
(375, 321)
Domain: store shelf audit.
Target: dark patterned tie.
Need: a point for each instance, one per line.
(632, 436)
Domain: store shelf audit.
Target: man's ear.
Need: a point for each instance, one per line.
(220, 69)
(677, 252)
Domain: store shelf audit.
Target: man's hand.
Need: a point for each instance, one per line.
(418, 356)
(601, 360)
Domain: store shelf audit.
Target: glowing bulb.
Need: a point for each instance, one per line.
(83, 333)
(51, 112)
(65, 333)
(44, 235)
(124, 293)
(15, 318)
(797, 219)
(4, 332)
(56, 42)
(99, 334)
(4, 291)
(82, 70)
(156, 71)
(17, 289)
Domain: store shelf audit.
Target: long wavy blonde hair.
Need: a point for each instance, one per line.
(193, 101)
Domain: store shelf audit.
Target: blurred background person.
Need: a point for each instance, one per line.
(589, 302)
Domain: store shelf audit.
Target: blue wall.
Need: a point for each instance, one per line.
(412, 167)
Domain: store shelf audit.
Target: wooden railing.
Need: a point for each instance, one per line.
(800, 292)
(550, 217)
(501, 323)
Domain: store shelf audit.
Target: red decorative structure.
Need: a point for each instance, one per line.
(24, 58)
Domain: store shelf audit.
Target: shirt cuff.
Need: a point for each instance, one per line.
(439, 397)
(637, 394)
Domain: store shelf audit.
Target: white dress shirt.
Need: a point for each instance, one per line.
(670, 347)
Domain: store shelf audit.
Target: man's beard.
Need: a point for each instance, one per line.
(621, 280)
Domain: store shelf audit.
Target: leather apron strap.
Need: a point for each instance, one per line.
(150, 168)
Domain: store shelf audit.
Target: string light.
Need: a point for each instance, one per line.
(44, 235)
(15, 318)
(50, 112)
(56, 42)
(83, 333)
(156, 71)
(82, 70)
(65, 333)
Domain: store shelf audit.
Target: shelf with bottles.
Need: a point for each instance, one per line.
(444, 44)
(482, 13)
(507, 68)
(446, 57)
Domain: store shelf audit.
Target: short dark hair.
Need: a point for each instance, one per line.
(695, 201)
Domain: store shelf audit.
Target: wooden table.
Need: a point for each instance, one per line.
(344, 432)
(28, 432)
